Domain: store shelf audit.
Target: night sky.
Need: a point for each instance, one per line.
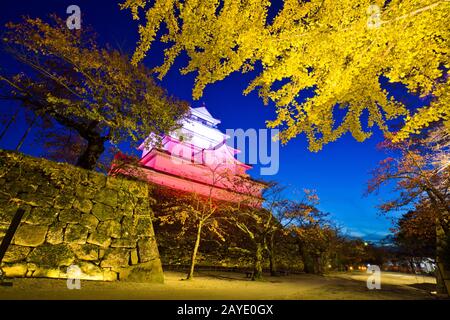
(339, 172)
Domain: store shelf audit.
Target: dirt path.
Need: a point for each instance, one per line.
(216, 285)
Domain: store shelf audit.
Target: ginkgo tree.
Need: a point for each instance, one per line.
(337, 50)
(68, 78)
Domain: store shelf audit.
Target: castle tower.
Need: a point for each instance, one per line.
(196, 159)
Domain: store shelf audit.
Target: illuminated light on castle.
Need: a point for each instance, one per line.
(196, 159)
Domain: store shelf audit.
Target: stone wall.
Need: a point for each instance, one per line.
(76, 217)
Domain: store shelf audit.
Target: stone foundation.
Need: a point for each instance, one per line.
(76, 217)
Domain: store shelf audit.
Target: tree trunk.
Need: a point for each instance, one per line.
(88, 160)
(442, 260)
(308, 263)
(411, 265)
(442, 245)
(257, 266)
(10, 122)
(318, 267)
(194, 252)
(25, 135)
(273, 267)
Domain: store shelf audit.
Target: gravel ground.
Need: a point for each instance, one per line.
(229, 285)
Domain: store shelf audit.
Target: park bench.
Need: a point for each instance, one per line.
(248, 274)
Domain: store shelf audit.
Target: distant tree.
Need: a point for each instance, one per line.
(412, 168)
(336, 50)
(256, 224)
(350, 253)
(314, 239)
(415, 232)
(253, 220)
(276, 203)
(312, 231)
(296, 219)
(94, 91)
(285, 212)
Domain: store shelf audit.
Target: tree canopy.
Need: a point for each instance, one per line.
(337, 50)
(95, 91)
(415, 231)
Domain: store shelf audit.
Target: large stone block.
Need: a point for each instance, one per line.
(31, 268)
(30, 235)
(145, 272)
(52, 256)
(134, 258)
(111, 228)
(46, 272)
(7, 213)
(70, 216)
(147, 250)
(97, 179)
(128, 228)
(90, 271)
(16, 253)
(41, 216)
(37, 200)
(3, 229)
(143, 207)
(116, 257)
(124, 195)
(107, 196)
(64, 201)
(15, 270)
(85, 192)
(109, 275)
(83, 205)
(55, 234)
(76, 233)
(103, 212)
(88, 252)
(123, 243)
(127, 206)
(82, 177)
(89, 221)
(48, 189)
(4, 203)
(144, 226)
(14, 188)
(99, 239)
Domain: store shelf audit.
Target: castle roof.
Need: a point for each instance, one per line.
(203, 114)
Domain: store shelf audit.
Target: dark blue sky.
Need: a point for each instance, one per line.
(339, 172)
